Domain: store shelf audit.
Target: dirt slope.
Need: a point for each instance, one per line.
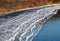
(8, 5)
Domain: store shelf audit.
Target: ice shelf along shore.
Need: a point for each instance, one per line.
(24, 25)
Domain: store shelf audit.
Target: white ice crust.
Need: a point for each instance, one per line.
(26, 25)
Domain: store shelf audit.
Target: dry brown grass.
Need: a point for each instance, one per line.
(8, 5)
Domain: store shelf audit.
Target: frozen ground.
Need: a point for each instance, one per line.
(24, 25)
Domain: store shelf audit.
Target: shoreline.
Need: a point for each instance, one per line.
(37, 7)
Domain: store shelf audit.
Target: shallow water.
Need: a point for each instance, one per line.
(50, 31)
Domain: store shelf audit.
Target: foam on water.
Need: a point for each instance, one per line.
(25, 26)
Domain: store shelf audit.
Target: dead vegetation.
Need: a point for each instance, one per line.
(8, 5)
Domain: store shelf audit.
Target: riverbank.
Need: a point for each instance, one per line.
(9, 5)
(37, 7)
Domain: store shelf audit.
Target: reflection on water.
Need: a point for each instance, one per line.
(50, 30)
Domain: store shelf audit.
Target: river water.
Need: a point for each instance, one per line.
(50, 31)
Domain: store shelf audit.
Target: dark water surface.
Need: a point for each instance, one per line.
(50, 30)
